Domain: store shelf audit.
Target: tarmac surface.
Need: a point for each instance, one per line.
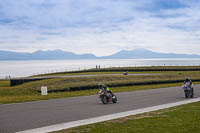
(30, 115)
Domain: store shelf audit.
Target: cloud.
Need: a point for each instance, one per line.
(100, 27)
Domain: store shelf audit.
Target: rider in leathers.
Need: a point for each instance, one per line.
(102, 86)
(188, 81)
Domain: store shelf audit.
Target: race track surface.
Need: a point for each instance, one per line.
(24, 116)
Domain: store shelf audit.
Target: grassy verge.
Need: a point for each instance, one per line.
(4, 83)
(181, 119)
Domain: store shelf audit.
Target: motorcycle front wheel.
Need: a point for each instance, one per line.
(104, 100)
(186, 93)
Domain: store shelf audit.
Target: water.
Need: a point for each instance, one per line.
(35, 67)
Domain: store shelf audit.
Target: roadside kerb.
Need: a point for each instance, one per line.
(67, 125)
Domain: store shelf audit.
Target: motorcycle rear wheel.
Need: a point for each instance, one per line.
(192, 93)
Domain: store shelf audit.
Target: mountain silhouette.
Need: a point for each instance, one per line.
(44, 55)
(138, 53)
(141, 53)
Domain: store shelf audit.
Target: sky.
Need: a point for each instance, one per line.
(100, 27)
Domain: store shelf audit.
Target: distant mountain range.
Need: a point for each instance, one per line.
(141, 53)
(64, 55)
(44, 55)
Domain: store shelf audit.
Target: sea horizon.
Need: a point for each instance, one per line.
(27, 68)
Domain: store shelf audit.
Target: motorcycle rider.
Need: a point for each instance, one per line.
(106, 88)
(189, 82)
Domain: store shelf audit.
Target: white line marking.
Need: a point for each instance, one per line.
(67, 125)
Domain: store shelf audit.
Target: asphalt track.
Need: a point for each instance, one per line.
(25, 116)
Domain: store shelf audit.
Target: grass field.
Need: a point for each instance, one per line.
(4, 83)
(181, 119)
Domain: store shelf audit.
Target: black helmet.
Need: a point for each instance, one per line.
(100, 85)
(187, 79)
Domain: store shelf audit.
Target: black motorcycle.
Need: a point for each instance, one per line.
(107, 97)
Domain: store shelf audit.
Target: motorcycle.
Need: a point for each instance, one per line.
(125, 73)
(107, 97)
(188, 90)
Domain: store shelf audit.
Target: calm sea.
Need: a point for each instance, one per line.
(35, 67)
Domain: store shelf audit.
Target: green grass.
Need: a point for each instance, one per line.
(4, 83)
(181, 119)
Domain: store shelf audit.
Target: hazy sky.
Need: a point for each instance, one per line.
(101, 27)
